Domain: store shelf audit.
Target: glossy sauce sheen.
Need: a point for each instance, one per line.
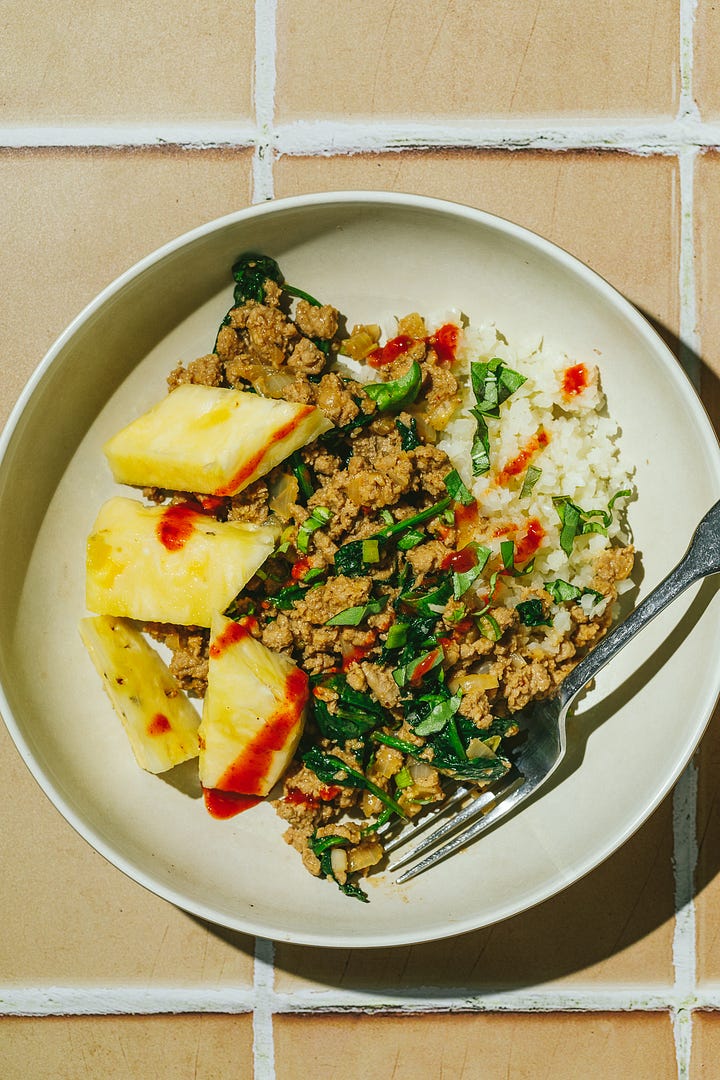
(176, 526)
(528, 544)
(575, 380)
(246, 470)
(226, 804)
(444, 341)
(519, 463)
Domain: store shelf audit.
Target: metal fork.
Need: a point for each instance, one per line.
(542, 742)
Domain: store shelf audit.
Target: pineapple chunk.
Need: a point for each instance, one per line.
(160, 722)
(169, 563)
(254, 712)
(211, 440)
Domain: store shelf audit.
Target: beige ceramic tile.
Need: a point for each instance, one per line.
(127, 1048)
(706, 73)
(614, 926)
(707, 913)
(628, 1046)
(617, 212)
(72, 221)
(423, 60)
(705, 1046)
(69, 62)
(707, 209)
(69, 918)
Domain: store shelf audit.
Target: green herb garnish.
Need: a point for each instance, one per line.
(319, 517)
(531, 478)
(457, 489)
(532, 613)
(332, 770)
(398, 393)
(353, 616)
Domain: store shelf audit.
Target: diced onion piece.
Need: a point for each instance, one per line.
(339, 861)
(366, 854)
(467, 683)
(478, 749)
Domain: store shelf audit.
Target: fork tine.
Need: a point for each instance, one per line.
(521, 792)
(415, 828)
(474, 809)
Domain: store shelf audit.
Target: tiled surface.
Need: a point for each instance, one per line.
(416, 59)
(76, 63)
(597, 128)
(491, 1047)
(131, 1048)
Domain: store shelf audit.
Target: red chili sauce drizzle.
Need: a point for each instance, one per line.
(575, 380)
(248, 468)
(176, 526)
(359, 652)
(296, 797)
(251, 767)
(520, 463)
(300, 569)
(444, 341)
(460, 561)
(158, 725)
(528, 544)
(226, 804)
(425, 665)
(232, 633)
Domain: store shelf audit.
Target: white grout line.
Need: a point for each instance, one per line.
(263, 1008)
(265, 76)
(327, 138)
(225, 134)
(264, 1001)
(685, 847)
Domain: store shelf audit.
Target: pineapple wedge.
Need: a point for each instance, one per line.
(169, 563)
(160, 722)
(253, 714)
(211, 440)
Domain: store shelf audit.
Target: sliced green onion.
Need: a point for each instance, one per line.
(319, 517)
(370, 551)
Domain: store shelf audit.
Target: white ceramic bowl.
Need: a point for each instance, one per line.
(372, 255)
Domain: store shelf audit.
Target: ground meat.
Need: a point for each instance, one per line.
(189, 646)
(306, 358)
(523, 682)
(611, 566)
(428, 557)
(251, 504)
(341, 402)
(316, 322)
(431, 467)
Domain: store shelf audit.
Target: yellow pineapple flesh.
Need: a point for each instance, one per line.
(160, 722)
(169, 563)
(253, 714)
(211, 440)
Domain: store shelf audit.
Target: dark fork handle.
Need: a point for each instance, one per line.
(701, 559)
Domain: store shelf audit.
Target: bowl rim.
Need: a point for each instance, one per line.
(682, 382)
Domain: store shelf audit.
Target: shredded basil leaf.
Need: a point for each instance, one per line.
(441, 711)
(457, 489)
(531, 478)
(409, 439)
(532, 613)
(562, 591)
(411, 539)
(353, 616)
